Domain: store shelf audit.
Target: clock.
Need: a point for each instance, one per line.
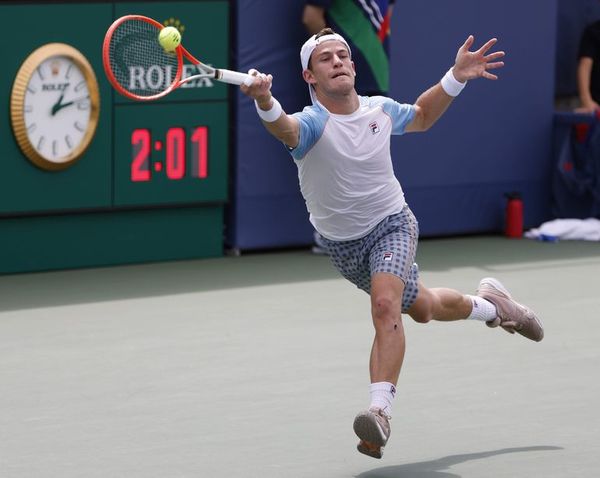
(178, 162)
(54, 106)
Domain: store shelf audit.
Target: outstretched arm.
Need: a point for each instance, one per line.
(432, 104)
(284, 127)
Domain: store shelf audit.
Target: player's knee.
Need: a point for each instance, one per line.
(384, 309)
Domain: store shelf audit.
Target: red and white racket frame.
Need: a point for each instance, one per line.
(180, 51)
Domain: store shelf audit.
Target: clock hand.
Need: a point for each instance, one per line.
(56, 108)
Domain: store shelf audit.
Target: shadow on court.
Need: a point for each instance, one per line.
(48, 289)
(55, 288)
(431, 469)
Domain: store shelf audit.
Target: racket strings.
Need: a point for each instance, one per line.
(138, 62)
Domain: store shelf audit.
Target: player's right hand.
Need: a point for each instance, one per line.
(260, 89)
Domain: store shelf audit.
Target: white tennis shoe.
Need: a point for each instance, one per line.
(373, 428)
(511, 316)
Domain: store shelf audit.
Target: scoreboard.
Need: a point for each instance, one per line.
(151, 172)
(170, 153)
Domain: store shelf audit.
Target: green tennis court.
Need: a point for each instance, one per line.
(255, 366)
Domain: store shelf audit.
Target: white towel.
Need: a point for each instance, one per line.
(570, 229)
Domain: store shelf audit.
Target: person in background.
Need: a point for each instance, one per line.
(588, 69)
(366, 27)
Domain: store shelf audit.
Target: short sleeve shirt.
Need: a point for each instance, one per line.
(345, 167)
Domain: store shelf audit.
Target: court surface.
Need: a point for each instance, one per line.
(255, 366)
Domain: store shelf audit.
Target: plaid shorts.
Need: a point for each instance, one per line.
(390, 247)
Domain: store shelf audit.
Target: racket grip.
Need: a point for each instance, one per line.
(234, 77)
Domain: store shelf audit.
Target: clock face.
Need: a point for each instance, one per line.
(57, 108)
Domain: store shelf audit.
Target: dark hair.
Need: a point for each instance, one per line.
(323, 32)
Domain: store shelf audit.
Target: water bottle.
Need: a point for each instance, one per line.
(514, 215)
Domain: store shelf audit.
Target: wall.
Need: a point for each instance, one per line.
(96, 211)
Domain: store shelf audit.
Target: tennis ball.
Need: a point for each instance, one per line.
(169, 38)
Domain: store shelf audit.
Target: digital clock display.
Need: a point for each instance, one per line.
(171, 153)
(183, 156)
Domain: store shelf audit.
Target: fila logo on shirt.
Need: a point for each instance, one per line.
(388, 256)
(374, 127)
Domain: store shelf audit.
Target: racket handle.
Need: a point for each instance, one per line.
(234, 77)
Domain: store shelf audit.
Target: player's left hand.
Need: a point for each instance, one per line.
(475, 64)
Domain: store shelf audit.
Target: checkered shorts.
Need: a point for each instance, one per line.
(390, 247)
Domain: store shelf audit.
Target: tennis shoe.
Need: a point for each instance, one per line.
(511, 316)
(373, 429)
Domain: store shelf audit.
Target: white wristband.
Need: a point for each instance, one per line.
(451, 85)
(269, 115)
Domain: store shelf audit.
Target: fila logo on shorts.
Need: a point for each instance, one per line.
(374, 127)
(388, 256)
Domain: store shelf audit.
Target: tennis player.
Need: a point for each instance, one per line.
(341, 146)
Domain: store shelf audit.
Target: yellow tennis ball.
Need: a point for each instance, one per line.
(169, 38)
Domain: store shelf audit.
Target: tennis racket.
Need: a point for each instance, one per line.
(139, 68)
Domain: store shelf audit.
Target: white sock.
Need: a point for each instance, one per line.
(482, 309)
(382, 395)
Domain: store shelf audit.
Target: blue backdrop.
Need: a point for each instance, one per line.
(495, 138)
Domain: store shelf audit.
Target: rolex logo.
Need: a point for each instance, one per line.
(55, 67)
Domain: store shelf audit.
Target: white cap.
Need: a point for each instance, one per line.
(310, 45)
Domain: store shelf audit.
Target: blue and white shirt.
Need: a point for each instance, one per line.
(345, 166)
